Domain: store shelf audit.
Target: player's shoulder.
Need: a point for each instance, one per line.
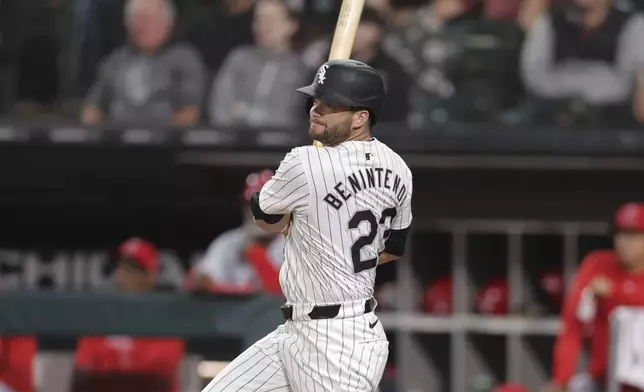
(600, 259)
(302, 154)
(397, 160)
(298, 151)
(393, 153)
(308, 149)
(296, 156)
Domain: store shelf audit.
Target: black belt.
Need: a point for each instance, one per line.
(321, 312)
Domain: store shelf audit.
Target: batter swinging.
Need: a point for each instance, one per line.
(347, 208)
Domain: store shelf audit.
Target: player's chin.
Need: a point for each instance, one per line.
(316, 131)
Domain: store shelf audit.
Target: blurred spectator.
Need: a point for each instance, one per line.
(529, 11)
(382, 7)
(150, 363)
(5, 56)
(153, 80)
(243, 260)
(423, 46)
(367, 47)
(581, 59)
(255, 86)
(97, 31)
(501, 9)
(17, 363)
(433, 50)
(317, 20)
(17, 359)
(405, 11)
(218, 27)
(35, 46)
(638, 99)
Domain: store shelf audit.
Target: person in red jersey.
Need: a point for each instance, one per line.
(124, 362)
(605, 280)
(17, 358)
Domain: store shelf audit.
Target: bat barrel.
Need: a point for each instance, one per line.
(345, 33)
(345, 29)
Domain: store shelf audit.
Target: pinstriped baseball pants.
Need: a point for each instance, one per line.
(337, 355)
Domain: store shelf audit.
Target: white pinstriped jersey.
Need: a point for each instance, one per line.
(343, 201)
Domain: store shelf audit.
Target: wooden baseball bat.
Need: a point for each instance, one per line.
(345, 32)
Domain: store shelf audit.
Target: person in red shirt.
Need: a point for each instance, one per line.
(124, 357)
(242, 260)
(17, 358)
(605, 280)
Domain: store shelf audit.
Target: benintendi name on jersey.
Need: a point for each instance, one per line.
(366, 179)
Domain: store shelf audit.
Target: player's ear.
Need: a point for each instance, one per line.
(361, 118)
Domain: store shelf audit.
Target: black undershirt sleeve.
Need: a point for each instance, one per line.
(395, 244)
(261, 215)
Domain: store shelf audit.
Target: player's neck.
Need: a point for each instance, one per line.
(357, 136)
(360, 136)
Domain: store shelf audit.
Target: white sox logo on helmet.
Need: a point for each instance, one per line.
(322, 74)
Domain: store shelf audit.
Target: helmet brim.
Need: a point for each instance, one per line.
(307, 90)
(332, 98)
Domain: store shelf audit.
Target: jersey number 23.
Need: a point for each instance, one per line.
(360, 265)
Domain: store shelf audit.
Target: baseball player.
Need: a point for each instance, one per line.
(346, 208)
(605, 280)
(128, 363)
(245, 259)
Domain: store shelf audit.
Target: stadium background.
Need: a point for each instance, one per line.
(498, 195)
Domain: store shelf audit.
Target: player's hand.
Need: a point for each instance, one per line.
(288, 226)
(601, 286)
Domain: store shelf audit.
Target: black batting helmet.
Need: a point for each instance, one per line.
(348, 83)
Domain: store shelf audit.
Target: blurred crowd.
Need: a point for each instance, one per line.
(236, 62)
